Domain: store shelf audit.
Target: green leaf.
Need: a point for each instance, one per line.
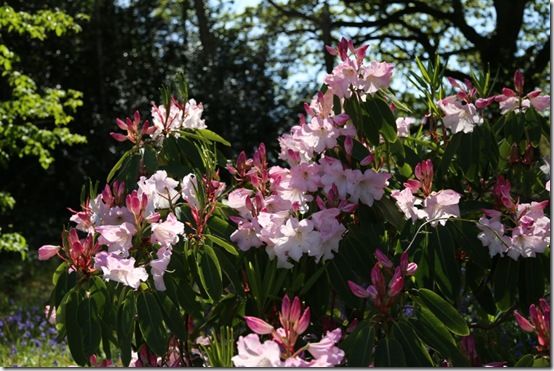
(117, 166)
(389, 353)
(505, 279)
(525, 361)
(150, 323)
(531, 282)
(210, 135)
(390, 212)
(222, 243)
(381, 117)
(209, 272)
(433, 333)
(172, 317)
(185, 296)
(358, 346)
(444, 311)
(126, 327)
(416, 354)
(542, 362)
(73, 328)
(91, 330)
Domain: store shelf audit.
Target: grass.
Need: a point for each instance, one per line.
(27, 339)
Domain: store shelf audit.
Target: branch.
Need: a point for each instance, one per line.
(291, 12)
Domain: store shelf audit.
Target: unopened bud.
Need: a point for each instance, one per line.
(259, 326)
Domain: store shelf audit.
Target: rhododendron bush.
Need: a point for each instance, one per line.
(377, 238)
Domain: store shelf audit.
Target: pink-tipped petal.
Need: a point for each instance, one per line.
(47, 251)
(119, 137)
(303, 322)
(259, 326)
(358, 290)
(523, 323)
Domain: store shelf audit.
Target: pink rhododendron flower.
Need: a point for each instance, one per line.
(253, 353)
(297, 237)
(246, 235)
(406, 202)
(160, 189)
(403, 126)
(325, 352)
(118, 238)
(331, 231)
(492, 233)
(377, 75)
(305, 177)
(189, 188)
(237, 200)
(442, 204)
(167, 233)
(366, 187)
(159, 266)
(515, 101)
(187, 116)
(459, 117)
(538, 322)
(119, 269)
(134, 134)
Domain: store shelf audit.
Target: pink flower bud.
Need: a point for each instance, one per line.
(119, 137)
(372, 292)
(331, 50)
(377, 279)
(519, 81)
(107, 196)
(523, 323)
(396, 286)
(413, 185)
(122, 125)
(258, 325)
(411, 269)
(47, 251)
(303, 322)
(285, 307)
(404, 261)
(367, 160)
(295, 310)
(357, 290)
(484, 102)
(383, 259)
(341, 119)
(348, 144)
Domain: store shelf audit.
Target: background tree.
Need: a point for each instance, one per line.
(496, 34)
(33, 118)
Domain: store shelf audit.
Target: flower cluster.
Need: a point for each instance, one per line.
(463, 111)
(539, 323)
(282, 350)
(437, 206)
(301, 209)
(381, 294)
(530, 233)
(123, 228)
(511, 100)
(352, 75)
(164, 122)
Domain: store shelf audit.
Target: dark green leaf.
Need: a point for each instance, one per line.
(126, 327)
(433, 333)
(209, 272)
(117, 166)
(416, 354)
(210, 135)
(525, 361)
(150, 323)
(389, 353)
(222, 243)
(73, 328)
(358, 346)
(444, 311)
(91, 330)
(505, 279)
